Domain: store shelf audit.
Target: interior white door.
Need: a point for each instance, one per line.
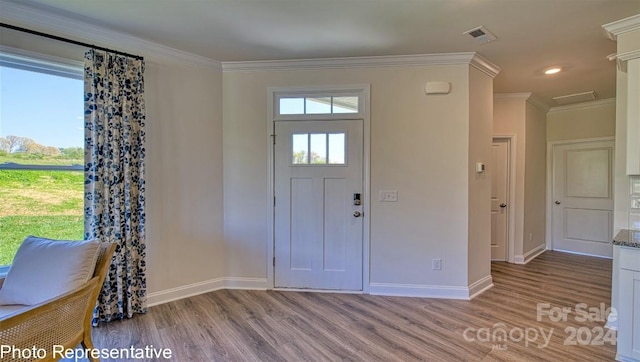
(499, 198)
(582, 210)
(318, 218)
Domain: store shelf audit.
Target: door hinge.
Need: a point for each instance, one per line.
(274, 201)
(274, 261)
(273, 137)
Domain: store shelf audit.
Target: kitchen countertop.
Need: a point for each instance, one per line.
(629, 238)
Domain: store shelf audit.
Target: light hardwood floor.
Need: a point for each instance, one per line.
(238, 325)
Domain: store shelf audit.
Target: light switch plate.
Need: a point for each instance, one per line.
(388, 196)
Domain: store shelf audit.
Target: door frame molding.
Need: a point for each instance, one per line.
(511, 219)
(550, 177)
(363, 91)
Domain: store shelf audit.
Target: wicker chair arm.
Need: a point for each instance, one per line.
(52, 322)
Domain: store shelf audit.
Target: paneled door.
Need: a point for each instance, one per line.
(582, 210)
(318, 204)
(499, 198)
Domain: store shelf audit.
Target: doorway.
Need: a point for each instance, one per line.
(582, 197)
(318, 205)
(500, 159)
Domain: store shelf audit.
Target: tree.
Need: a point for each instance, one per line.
(51, 151)
(72, 152)
(28, 145)
(4, 145)
(300, 157)
(12, 143)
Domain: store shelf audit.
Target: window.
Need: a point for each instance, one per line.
(292, 105)
(318, 149)
(41, 151)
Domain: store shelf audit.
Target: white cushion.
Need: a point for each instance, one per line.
(9, 310)
(44, 268)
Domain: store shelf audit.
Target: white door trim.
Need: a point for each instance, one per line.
(549, 201)
(511, 222)
(363, 90)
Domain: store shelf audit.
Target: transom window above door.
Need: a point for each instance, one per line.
(318, 149)
(318, 105)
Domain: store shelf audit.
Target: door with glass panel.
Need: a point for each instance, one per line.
(318, 204)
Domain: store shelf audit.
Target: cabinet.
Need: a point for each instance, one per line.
(628, 304)
(633, 116)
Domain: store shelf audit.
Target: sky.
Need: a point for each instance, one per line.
(46, 108)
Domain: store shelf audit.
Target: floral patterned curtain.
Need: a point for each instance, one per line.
(114, 177)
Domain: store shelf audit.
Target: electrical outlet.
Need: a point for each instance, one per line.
(530, 236)
(388, 196)
(436, 264)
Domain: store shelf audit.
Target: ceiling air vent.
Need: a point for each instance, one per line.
(481, 35)
(575, 98)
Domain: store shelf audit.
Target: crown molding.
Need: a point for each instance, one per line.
(583, 105)
(484, 65)
(613, 29)
(626, 55)
(524, 97)
(513, 96)
(538, 103)
(366, 62)
(28, 17)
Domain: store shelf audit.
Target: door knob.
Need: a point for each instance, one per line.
(557, 202)
(357, 214)
(503, 205)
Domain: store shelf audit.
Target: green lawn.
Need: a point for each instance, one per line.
(37, 159)
(41, 203)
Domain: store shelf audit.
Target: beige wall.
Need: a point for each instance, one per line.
(535, 179)
(509, 119)
(185, 243)
(419, 146)
(207, 168)
(582, 121)
(184, 175)
(516, 114)
(480, 139)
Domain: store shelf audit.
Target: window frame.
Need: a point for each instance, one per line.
(318, 93)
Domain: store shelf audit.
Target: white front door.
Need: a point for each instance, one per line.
(318, 222)
(582, 210)
(499, 198)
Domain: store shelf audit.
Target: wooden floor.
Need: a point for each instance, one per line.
(237, 325)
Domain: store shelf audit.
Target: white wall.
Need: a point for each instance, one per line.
(183, 101)
(419, 146)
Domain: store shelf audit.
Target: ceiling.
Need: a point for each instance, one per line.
(532, 34)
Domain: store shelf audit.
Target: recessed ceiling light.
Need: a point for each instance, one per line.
(553, 70)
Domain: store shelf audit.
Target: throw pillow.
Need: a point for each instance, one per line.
(45, 268)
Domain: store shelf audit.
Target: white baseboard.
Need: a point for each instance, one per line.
(428, 291)
(173, 294)
(585, 254)
(480, 286)
(185, 291)
(530, 255)
(245, 283)
(391, 289)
